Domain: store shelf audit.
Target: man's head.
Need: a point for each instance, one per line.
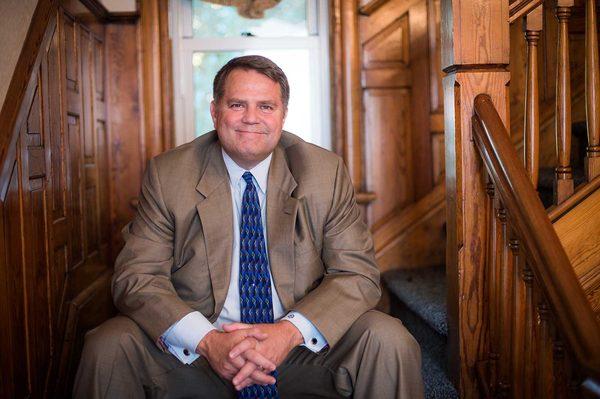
(251, 94)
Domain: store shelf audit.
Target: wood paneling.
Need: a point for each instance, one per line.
(395, 40)
(55, 210)
(579, 233)
(127, 159)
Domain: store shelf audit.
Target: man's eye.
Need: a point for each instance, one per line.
(235, 105)
(266, 107)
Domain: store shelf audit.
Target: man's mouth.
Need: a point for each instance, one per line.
(244, 131)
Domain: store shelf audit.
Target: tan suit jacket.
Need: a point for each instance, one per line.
(177, 256)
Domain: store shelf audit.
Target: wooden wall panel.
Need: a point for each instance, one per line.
(394, 40)
(125, 135)
(55, 213)
(389, 148)
(14, 376)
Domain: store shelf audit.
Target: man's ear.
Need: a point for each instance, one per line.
(213, 113)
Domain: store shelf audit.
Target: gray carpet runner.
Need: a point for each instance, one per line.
(418, 298)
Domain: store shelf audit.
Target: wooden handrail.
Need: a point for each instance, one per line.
(520, 8)
(549, 261)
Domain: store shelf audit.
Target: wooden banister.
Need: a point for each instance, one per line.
(563, 185)
(519, 8)
(592, 91)
(547, 258)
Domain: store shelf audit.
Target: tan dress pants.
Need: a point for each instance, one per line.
(377, 358)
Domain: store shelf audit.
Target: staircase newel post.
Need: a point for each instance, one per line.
(563, 182)
(592, 91)
(475, 55)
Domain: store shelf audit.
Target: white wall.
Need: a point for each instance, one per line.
(15, 17)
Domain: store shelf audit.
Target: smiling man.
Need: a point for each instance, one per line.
(248, 271)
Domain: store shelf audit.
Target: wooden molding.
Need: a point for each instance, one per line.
(22, 85)
(102, 13)
(157, 80)
(415, 236)
(557, 211)
(371, 6)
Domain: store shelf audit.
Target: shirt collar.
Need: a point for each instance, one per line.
(260, 171)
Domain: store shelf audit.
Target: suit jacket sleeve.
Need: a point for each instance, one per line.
(350, 285)
(141, 284)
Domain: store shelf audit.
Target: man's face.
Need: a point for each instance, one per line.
(249, 117)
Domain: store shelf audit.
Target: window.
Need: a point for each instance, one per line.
(294, 34)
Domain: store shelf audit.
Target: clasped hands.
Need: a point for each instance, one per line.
(246, 354)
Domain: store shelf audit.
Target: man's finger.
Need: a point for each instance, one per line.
(259, 377)
(242, 347)
(244, 373)
(246, 383)
(230, 327)
(237, 362)
(259, 359)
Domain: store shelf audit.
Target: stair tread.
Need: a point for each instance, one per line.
(435, 381)
(423, 291)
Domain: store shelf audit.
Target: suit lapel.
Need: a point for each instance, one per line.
(216, 216)
(281, 216)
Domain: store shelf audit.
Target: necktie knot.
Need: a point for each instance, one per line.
(247, 176)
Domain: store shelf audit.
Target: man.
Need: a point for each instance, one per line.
(248, 224)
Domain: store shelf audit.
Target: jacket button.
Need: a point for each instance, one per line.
(186, 352)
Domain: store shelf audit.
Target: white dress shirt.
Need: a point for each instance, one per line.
(182, 337)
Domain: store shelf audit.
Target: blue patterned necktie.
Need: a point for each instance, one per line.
(256, 304)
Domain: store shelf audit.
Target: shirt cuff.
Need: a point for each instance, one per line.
(182, 338)
(313, 339)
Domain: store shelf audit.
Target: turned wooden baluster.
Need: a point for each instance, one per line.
(529, 353)
(494, 265)
(592, 92)
(563, 182)
(545, 361)
(532, 25)
(518, 321)
(505, 308)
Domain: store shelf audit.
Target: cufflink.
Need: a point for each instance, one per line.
(186, 352)
(290, 316)
(314, 341)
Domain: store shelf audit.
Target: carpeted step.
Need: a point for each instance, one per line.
(423, 291)
(433, 351)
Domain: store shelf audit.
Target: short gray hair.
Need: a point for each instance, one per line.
(256, 63)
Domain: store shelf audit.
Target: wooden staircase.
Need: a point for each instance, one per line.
(523, 291)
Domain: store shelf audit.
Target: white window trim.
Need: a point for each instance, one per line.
(184, 46)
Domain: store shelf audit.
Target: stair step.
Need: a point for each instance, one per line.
(423, 291)
(433, 351)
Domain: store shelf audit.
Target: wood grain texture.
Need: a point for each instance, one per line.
(551, 267)
(592, 91)
(125, 134)
(473, 34)
(563, 184)
(579, 233)
(532, 26)
(56, 202)
(466, 221)
(414, 237)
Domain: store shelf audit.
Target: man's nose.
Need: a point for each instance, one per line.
(250, 115)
